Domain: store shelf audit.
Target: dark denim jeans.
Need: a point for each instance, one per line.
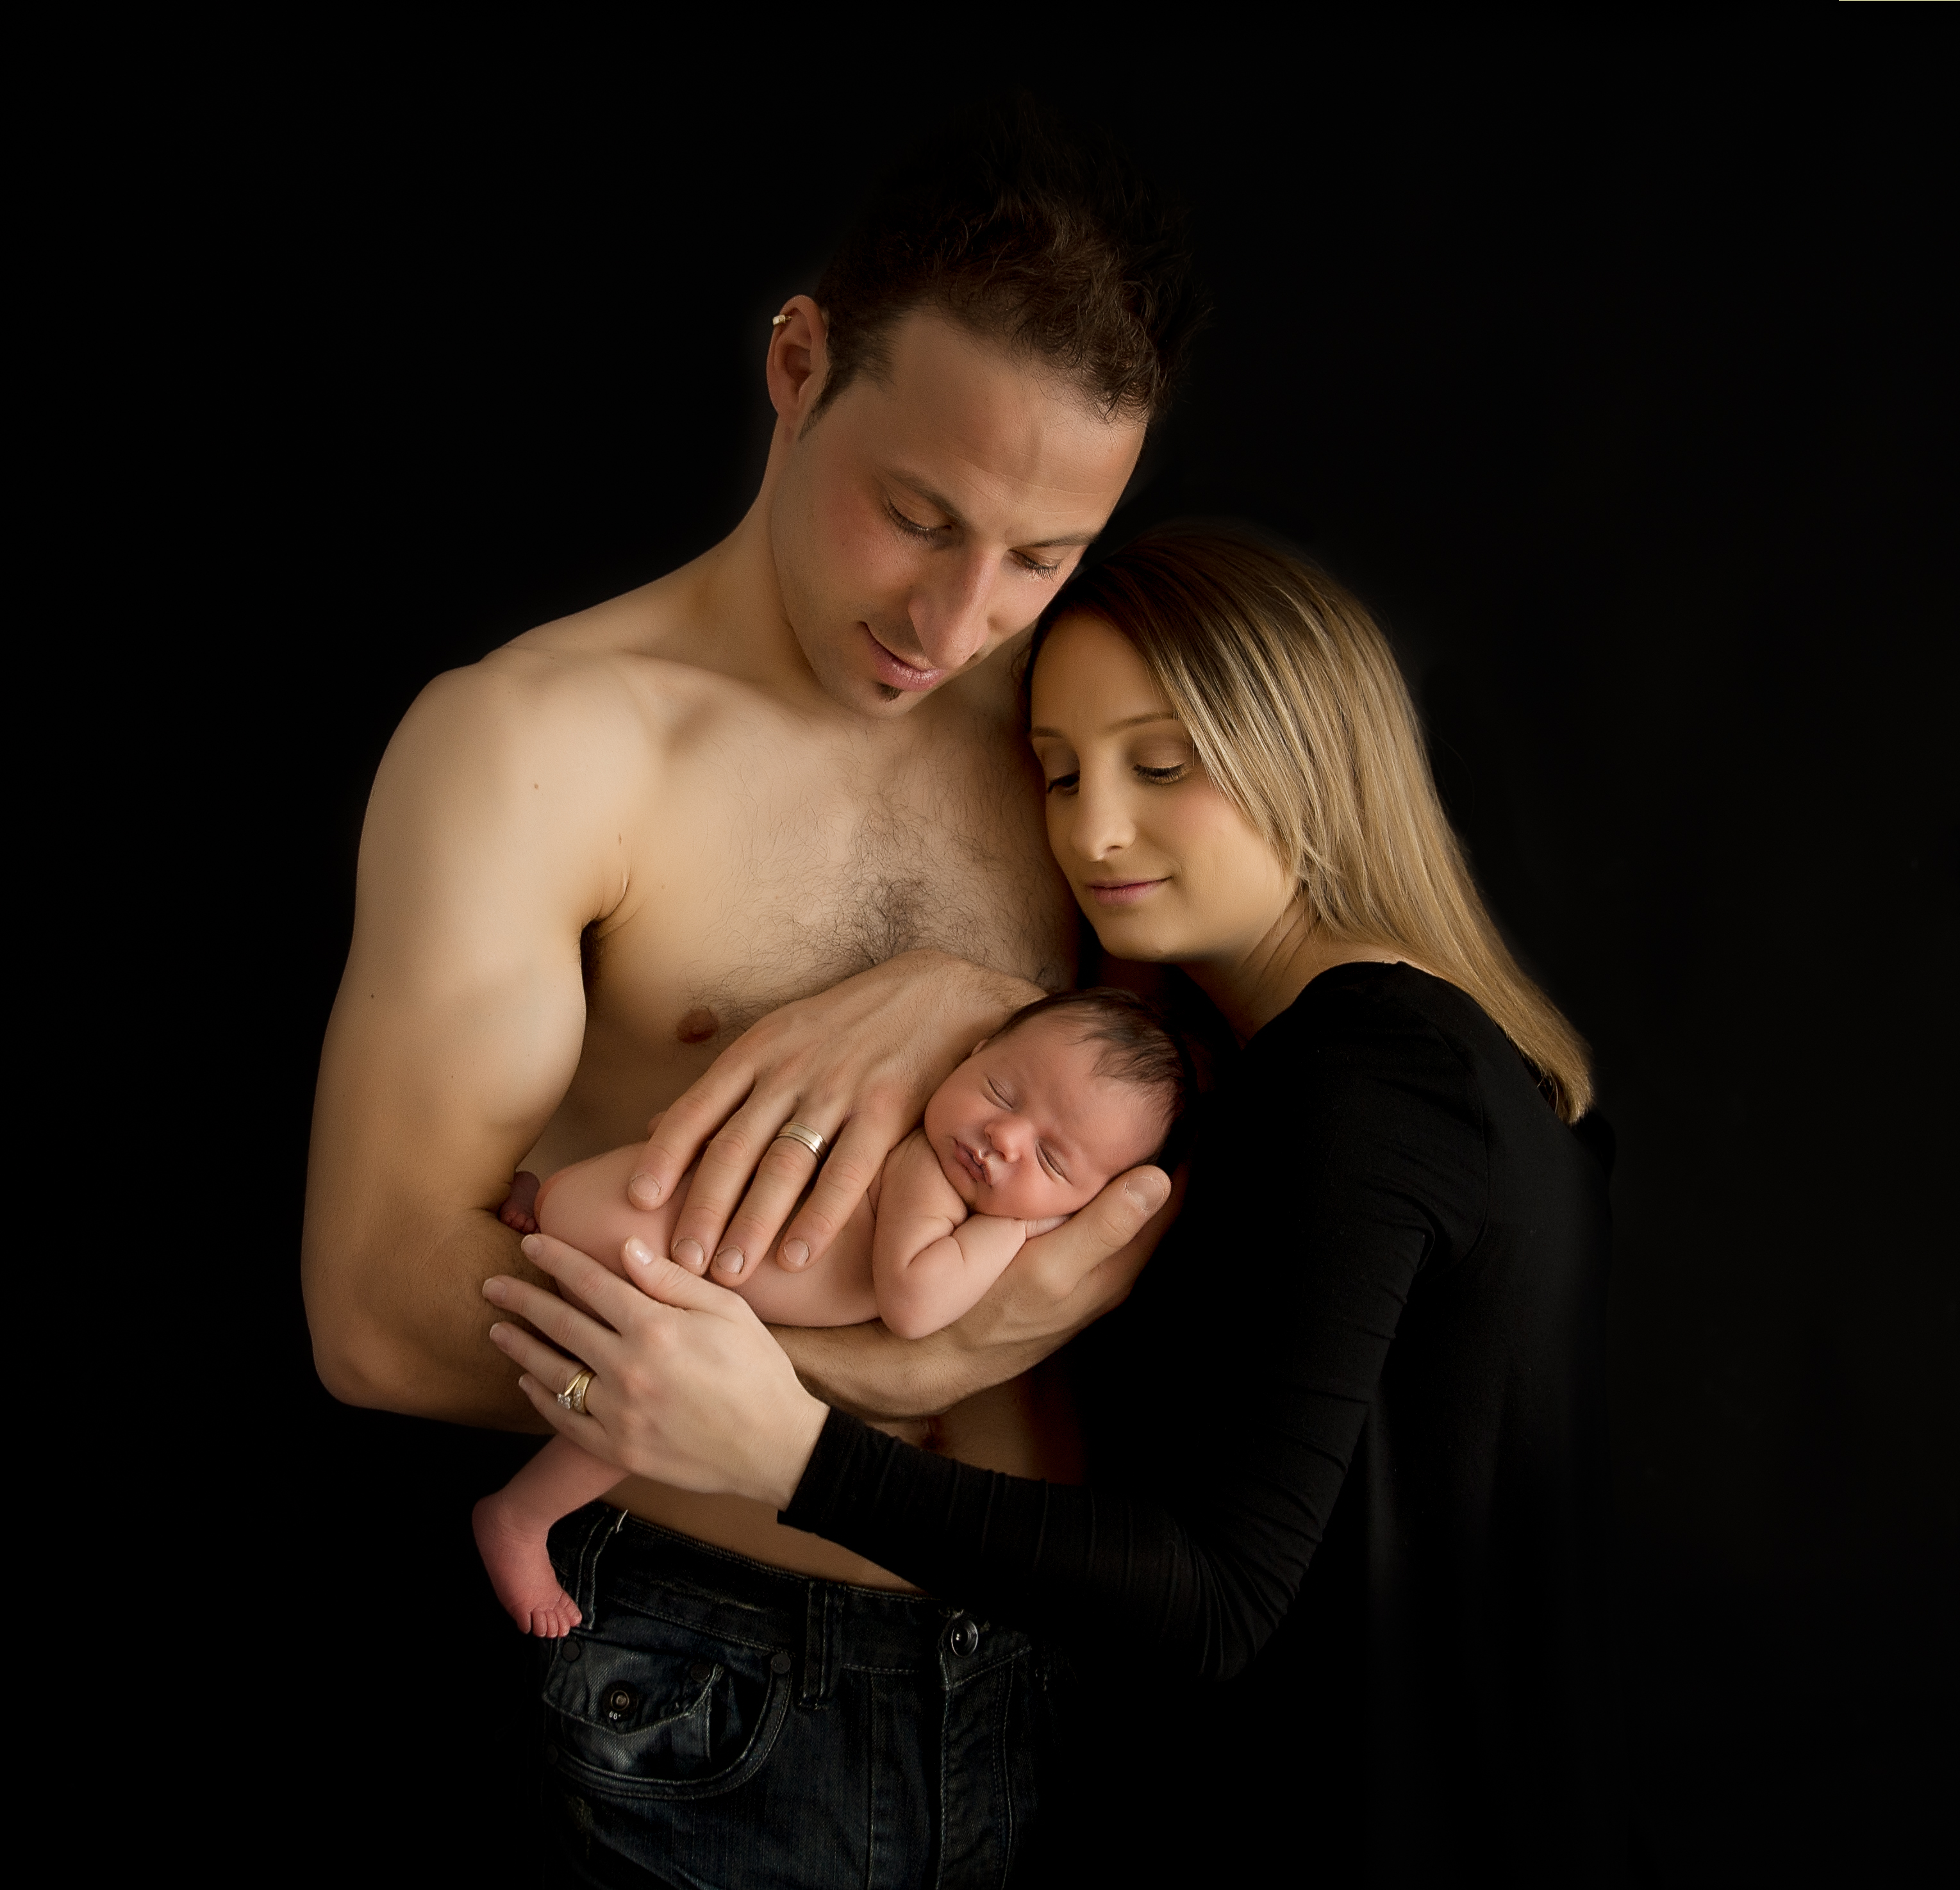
(717, 1724)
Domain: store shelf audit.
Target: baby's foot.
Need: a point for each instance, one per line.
(521, 1571)
(517, 1214)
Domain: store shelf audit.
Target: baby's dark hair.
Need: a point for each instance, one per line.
(1139, 1047)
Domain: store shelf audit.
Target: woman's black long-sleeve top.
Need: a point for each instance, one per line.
(1391, 1244)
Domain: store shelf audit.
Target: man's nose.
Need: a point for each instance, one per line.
(950, 616)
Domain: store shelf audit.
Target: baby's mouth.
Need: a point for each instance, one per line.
(974, 1165)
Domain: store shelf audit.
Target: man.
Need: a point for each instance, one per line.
(597, 858)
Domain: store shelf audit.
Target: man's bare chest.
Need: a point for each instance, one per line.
(797, 871)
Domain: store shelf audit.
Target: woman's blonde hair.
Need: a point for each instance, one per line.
(1296, 708)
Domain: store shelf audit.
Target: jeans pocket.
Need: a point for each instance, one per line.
(646, 1708)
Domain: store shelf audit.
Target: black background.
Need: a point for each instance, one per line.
(1613, 368)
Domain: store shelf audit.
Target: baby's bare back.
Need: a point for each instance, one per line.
(585, 1206)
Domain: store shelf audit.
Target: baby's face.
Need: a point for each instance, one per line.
(1025, 1128)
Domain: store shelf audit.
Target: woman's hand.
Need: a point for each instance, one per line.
(1052, 1288)
(688, 1386)
(856, 1064)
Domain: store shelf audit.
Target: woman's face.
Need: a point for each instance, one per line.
(1166, 866)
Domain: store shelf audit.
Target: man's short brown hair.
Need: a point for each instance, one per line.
(1035, 234)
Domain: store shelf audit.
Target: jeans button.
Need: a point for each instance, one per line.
(619, 1702)
(780, 1663)
(964, 1635)
(698, 1673)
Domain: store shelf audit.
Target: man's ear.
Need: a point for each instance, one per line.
(799, 360)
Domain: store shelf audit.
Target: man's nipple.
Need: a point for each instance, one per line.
(697, 1026)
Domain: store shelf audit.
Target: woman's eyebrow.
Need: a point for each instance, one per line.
(1128, 721)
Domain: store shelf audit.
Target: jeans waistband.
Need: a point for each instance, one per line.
(609, 1559)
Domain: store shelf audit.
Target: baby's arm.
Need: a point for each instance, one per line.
(931, 1259)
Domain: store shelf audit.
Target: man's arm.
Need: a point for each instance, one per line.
(458, 1024)
(1056, 1285)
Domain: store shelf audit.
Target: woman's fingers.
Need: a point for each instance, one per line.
(847, 1173)
(585, 1431)
(616, 1303)
(550, 1367)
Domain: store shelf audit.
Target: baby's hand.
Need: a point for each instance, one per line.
(1035, 1227)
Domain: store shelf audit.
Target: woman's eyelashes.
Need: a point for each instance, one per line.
(1165, 776)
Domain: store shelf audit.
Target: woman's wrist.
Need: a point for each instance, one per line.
(795, 1443)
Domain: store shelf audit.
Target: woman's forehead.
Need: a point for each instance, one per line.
(1087, 670)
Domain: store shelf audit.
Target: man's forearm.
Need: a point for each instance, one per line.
(870, 1372)
(405, 1328)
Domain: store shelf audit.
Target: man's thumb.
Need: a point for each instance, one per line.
(1146, 1190)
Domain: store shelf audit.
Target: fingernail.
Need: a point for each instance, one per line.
(689, 1253)
(1148, 1193)
(530, 1246)
(644, 1189)
(526, 1384)
(795, 1252)
(729, 1261)
(493, 1290)
(639, 1252)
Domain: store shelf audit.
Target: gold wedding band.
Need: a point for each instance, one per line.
(572, 1397)
(802, 1132)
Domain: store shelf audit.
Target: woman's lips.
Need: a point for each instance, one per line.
(1122, 892)
(895, 672)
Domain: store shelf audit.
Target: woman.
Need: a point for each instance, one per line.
(1387, 1280)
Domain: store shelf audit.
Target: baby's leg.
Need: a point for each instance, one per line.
(512, 1524)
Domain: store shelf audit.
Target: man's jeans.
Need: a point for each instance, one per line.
(717, 1724)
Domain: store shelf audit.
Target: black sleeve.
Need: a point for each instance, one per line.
(1335, 1173)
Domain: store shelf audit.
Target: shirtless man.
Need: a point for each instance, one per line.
(758, 842)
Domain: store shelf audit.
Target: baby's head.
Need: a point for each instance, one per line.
(1067, 1093)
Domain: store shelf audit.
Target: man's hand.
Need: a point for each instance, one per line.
(856, 1064)
(1053, 1287)
(688, 1387)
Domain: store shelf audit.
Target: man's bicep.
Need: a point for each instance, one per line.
(458, 1022)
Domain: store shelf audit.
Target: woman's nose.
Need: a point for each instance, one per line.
(1098, 823)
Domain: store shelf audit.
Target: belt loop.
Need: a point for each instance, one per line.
(605, 1526)
(822, 1643)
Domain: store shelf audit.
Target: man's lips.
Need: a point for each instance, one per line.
(1122, 892)
(895, 671)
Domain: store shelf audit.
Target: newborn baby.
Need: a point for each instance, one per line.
(1065, 1095)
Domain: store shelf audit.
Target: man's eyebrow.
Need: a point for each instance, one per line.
(942, 503)
(1128, 721)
